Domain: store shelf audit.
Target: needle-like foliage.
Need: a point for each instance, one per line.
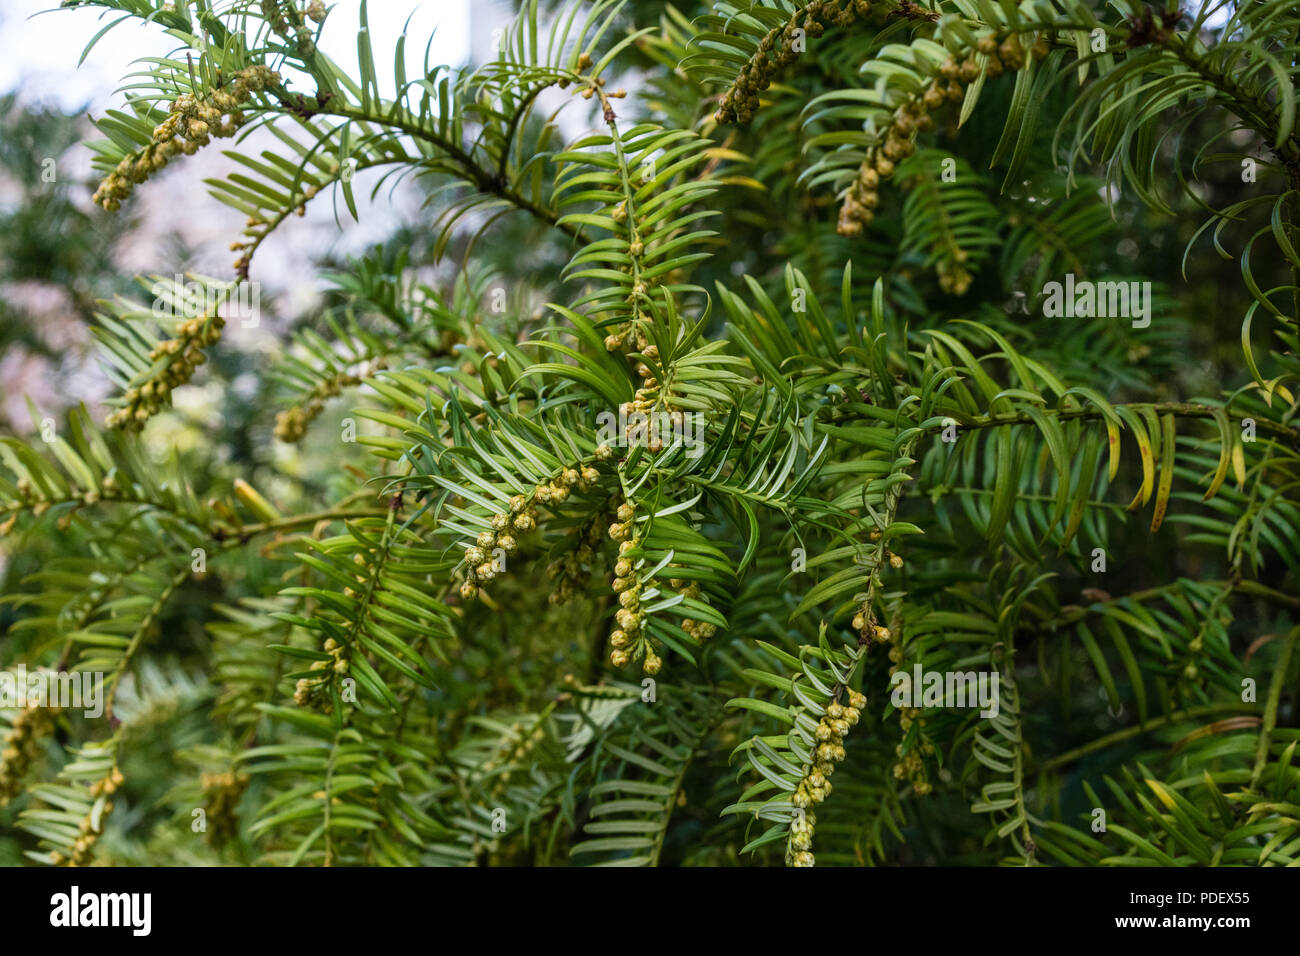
(867, 359)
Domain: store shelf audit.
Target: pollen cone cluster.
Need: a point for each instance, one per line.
(222, 792)
(290, 23)
(516, 749)
(630, 339)
(816, 786)
(572, 570)
(313, 692)
(911, 763)
(628, 641)
(779, 49)
(292, 423)
(915, 115)
(182, 356)
(22, 748)
(83, 849)
(190, 125)
(485, 559)
(700, 630)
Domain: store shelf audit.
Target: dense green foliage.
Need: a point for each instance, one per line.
(474, 623)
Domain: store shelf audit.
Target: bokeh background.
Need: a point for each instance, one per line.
(59, 254)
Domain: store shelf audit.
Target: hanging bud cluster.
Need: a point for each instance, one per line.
(482, 561)
(362, 577)
(799, 845)
(628, 641)
(27, 498)
(630, 337)
(631, 341)
(1005, 52)
(700, 630)
(182, 356)
(643, 403)
(290, 24)
(910, 764)
(22, 748)
(313, 692)
(616, 341)
(221, 793)
(190, 125)
(864, 621)
(292, 423)
(513, 753)
(648, 419)
(483, 558)
(816, 786)
(778, 49)
(83, 849)
(913, 115)
(572, 570)
(916, 743)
